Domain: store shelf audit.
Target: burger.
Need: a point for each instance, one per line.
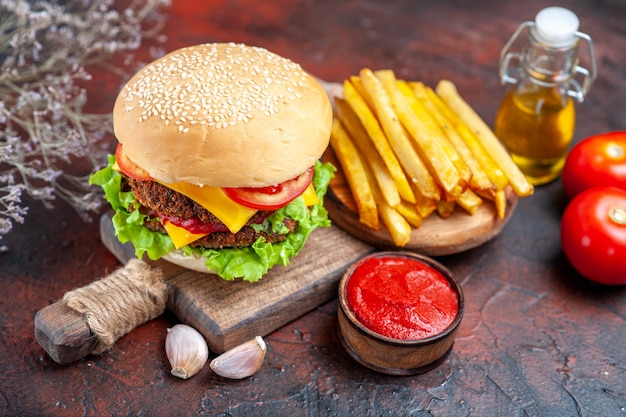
(218, 166)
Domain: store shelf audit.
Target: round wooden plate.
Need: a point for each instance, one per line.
(435, 237)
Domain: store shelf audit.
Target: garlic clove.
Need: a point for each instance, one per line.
(241, 361)
(186, 349)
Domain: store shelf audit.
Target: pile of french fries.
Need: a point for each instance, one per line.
(408, 151)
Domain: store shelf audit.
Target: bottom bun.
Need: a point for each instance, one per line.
(195, 263)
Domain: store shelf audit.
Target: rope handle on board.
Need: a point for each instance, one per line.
(91, 319)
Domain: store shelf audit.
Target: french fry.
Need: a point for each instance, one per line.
(420, 109)
(410, 213)
(445, 208)
(491, 168)
(377, 136)
(413, 165)
(500, 202)
(498, 199)
(448, 92)
(424, 205)
(431, 150)
(398, 226)
(380, 173)
(479, 179)
(356, 175)
(487, 196)
(470, 201)
(358, 86)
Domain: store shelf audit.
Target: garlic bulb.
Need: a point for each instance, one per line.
(241, 361)
(186, 350)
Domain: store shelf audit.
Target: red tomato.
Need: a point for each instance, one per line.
(593, 234)
(596, 161)
(272, 197)
(128, 167)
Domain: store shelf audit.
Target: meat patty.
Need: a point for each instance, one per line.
(162, 199)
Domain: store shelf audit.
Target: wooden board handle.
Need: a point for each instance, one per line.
(90, 319)
(63, 333)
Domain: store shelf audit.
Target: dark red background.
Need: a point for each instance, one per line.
(536, 340)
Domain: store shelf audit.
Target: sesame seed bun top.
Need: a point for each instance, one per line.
(227, 115)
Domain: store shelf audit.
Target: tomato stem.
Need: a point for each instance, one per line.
(615, 150)
(617, 214)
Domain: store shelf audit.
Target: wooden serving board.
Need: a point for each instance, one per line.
(229, 313)
(435, 237)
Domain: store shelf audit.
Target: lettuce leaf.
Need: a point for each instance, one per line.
(249, 263)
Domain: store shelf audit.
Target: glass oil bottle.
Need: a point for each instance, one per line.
(536, 119)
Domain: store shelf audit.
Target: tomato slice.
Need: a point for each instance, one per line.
(128, 167)
(272, 197)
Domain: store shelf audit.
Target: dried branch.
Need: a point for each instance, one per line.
(46, 50)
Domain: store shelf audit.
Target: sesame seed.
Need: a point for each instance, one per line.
(213, 85)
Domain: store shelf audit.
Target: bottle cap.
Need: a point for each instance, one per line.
(556, 26)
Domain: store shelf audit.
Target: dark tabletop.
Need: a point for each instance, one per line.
(536, 339)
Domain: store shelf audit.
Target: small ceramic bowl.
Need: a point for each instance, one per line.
(391, 355)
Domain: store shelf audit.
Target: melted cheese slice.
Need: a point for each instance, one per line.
(232, 214)
(181, 236)
(310, 196)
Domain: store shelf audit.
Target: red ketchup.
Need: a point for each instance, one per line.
(401, 298)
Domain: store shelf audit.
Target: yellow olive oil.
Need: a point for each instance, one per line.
(537, 128)
(536, 119)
